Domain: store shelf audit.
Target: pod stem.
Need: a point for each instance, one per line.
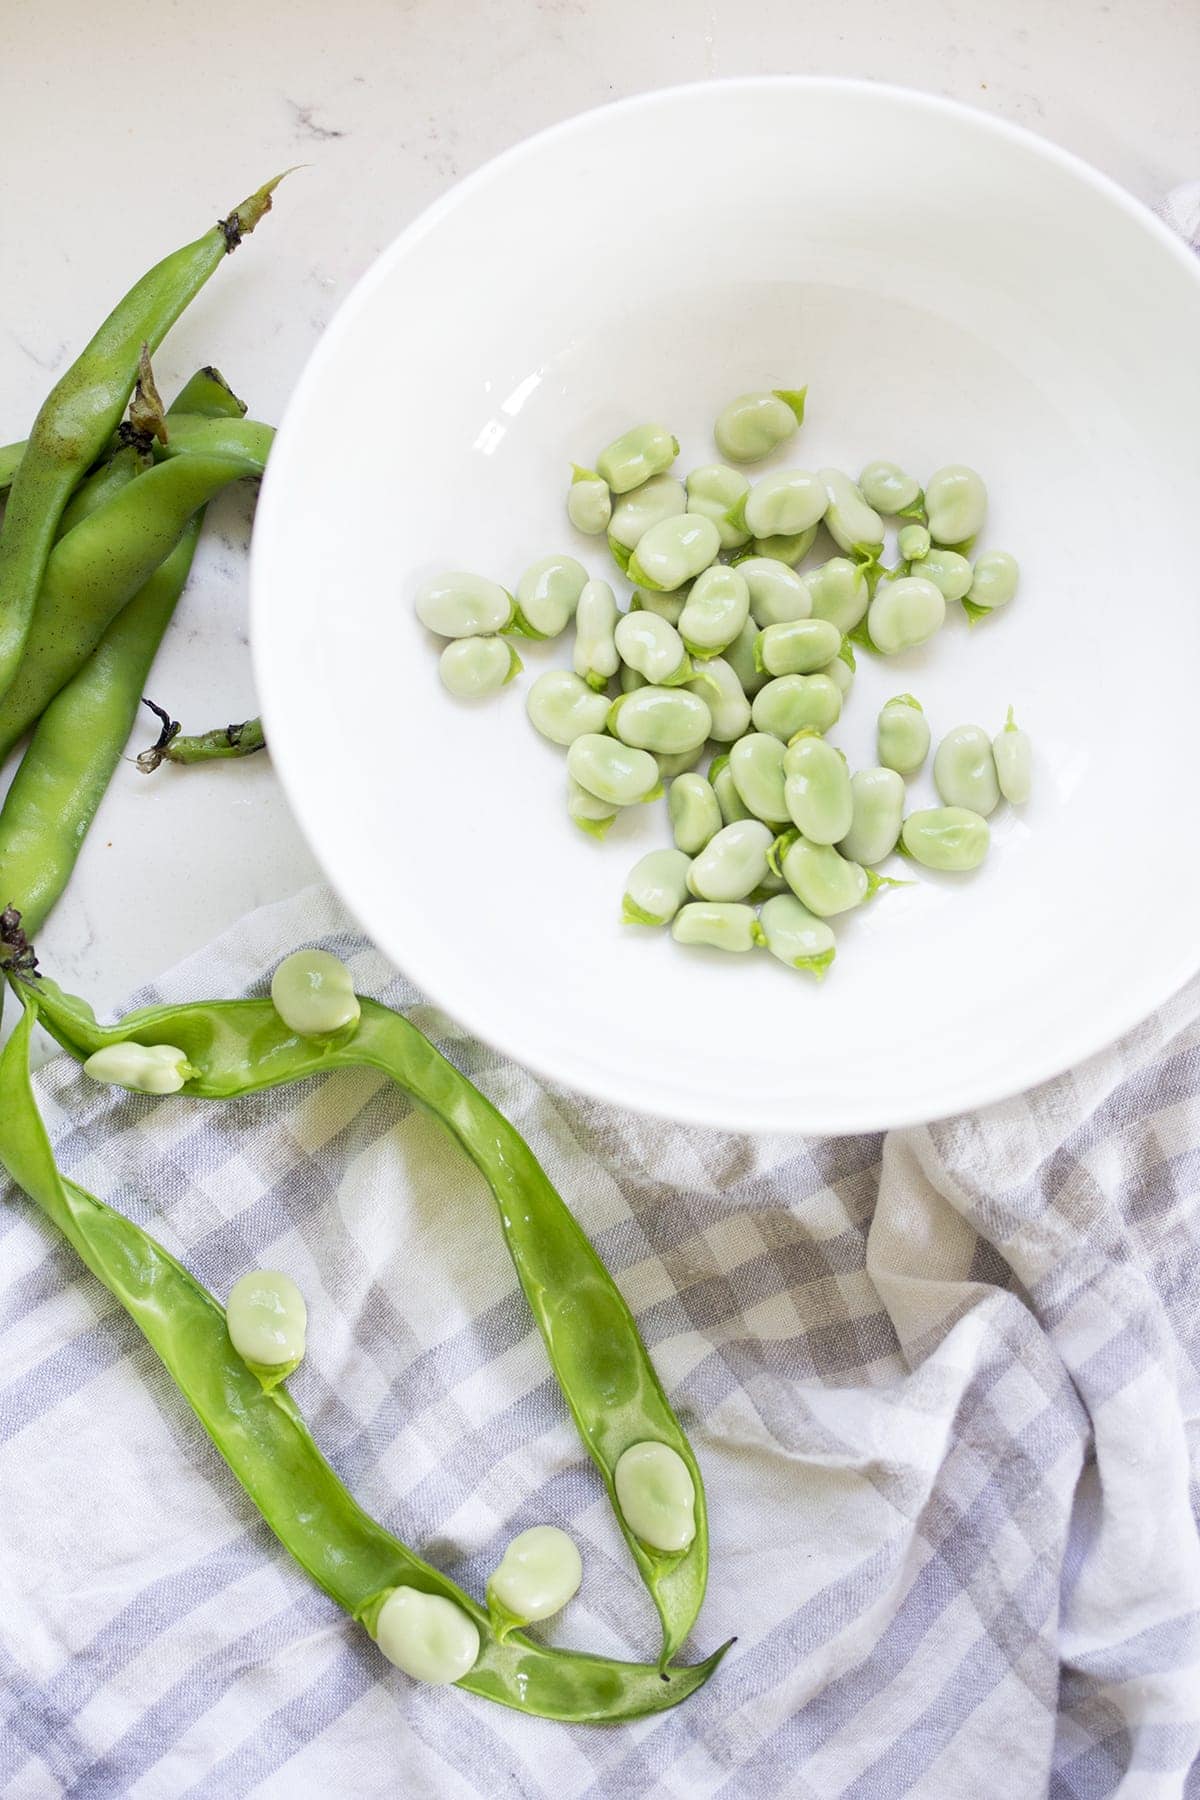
(218, 745)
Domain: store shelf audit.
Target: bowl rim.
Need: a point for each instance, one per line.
(1075, 1045)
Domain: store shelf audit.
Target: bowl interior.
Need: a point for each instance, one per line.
(950, 290)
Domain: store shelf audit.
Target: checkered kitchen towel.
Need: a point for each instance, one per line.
(943, 1386)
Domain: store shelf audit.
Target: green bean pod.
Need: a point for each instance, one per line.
(838, 592)
(695, 812)
(1013, 754)
(715, 611)
(799, 647)
(878, 813)
(796, 936)
(817, 789)
(792, 703)
(596, 658)
(636, 456)
(964, 770)
(946, 837)
(716, 683)
(656, 888)
(547, 595)
(902, 735)
(563, 707)
(662, 497)
(777, 593)
(653, 647)
(718, 925)
(612, 771)
(905, 614)
(589, 503)
(733, 863)
(674, 552)
(854, 526)
(752, 425)
(756, 767)
(713, 490)
(955, 505)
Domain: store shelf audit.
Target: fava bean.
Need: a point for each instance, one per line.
(547, 595)
(667, 606)
(1013, 753)
(841, 672)
(886, 487)
(753, 425)
(596, 656)
(591, 815)
(777, 593)
(955, 504)
(589, 503)
(740, 657)
(796, 937)
(905, 613)
(673, 552)
(720, 774)
(853, 525)
(946, 837)
(313, 993)
(733, 863)
(539, 1572)
(612, 771)
(756, 766)
(994, 581)
(266, 1318)
(788, 549)
(964, 770)
(838, 592)
(717, 684)
(792, 703)
(628, 680)
(913, 542)
(878, 812)
(799, 647)
(427, 1636)
(713, 490)
(902, 735)
(636, 456)
(720, 925)
(563, 707)
(459, 605)
(656, 888)
(949, 572)
(695, 812)
(666, 720)
(681, 762)
(662, 497)
(653, 647)
(781, 504)
(817, 789)
(819, 876)
(657, 1496)
(715, 611)
(474, 668)
(142, 1068)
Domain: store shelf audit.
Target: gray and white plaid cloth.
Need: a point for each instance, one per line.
(944, 1387)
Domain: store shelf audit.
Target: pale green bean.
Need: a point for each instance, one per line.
(796, 936)
(817, 789)
(1013, 753)
(792, 703)
(753, 425)
(459, 604)
(756, 766)
(905, 614)
(653, 647)
(821, 878)
(781, 504)
(713, 490)
(476, 667)
(596, 659)
(695, 812)
(679, 762)
(913, 542)
(589, 503)
(890, 491)
(799, 647)
(733, 863)
(838, 592)
(656, 888)
(539, 1572)
(718, 925)
(563, 707)
(547, 595)
(786, 547)
(964, 770)
(142, 1068)
(656, 1495)
(660, 719)
(662, 497)
(718, 686)
(585, 810)
(878, 813)
(777, 593)
(955, 504)
(854, 526)
(612, 771)
(673, 552)
(635, 456)
(902, 735)
(946, 837)
(266, 1319)
(720, 774)
(993, 582)
(667, 606)
(741, 659)
(949, 571)
(313, 993)
(715, 611)
(427, 1636)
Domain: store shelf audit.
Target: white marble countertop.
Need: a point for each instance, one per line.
(130, 126)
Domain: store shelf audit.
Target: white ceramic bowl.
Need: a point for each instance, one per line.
(951, 289)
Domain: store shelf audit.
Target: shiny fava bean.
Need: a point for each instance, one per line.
(596, 657)
(740, 657)
(732, 864)
(790, 549)
(662, 497)
(796, 937)
(800, 647)
(946, 837)
(1013, 755)
(949, 572)
(783, 503)
(792, 703)
(666, 606)
(713, 491)
(563, 707)
(673, 552)
(913, 542)
(993, 582)
(821, 878)
(878, 813)
(628, 680)
(656, 1495)
(817, 789)
(715, 611)
(267, 1319)
(459, 605)
(142, 1068)
(719, 925)
(636, 456)
(955, 504)
(886, 487)
(547, 595)
(695, 812)
(841, 670)
(589, 503)
(720, 774)
(777, 593)
(591, 815)
(313, 993)
(756, 765)
(717, 684)
(838, 593)
(669, 721)
(656, 888)
(653, 647)
(427, 1636)
(612, 771)
(902, 735)
(476, 667)
(753, 425)
(905, 613)
(964, 770)
(539, 1572)
(853, 525)
(681, 763)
